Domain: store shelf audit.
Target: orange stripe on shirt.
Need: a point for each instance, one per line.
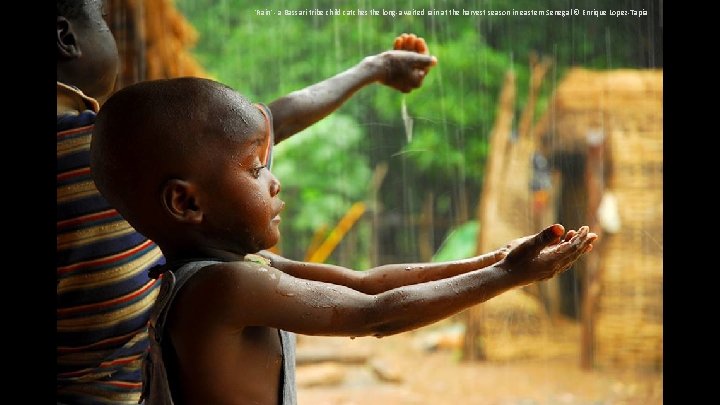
(105, 304)
(74, 131)
(101, 321)
(87, 218)
(121, 361)
(104, 260)
(98, 345)
(122, 384)
(115, 274)
(73, 173)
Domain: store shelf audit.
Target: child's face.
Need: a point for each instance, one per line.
(100, 60)
(241, 204)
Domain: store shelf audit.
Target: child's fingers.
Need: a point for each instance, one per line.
(580, 236)
(402, 44)
(539, 241)
(410, 42)
(591, 238)
(581, 242)
(552, 235)
(421, 46)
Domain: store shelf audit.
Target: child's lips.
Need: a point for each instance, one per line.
(277, 216)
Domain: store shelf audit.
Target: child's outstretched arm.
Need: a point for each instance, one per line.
(387, 277)
(403, 68)
(238, 294)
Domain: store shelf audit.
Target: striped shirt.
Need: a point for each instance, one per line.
(104, 294)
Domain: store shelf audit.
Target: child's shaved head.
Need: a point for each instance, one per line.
(156, 130)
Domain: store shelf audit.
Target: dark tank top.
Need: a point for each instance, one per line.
(156, 386)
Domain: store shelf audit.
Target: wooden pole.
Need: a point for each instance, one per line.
(336, 235)
(487, 207)
(595, 180)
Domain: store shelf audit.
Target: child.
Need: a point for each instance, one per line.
(104, 296)
(180, 159)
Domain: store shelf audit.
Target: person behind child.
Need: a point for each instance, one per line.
(104, 295)
(180, 159)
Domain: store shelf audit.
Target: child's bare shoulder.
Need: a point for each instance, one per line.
(237, 278)
(216, 293)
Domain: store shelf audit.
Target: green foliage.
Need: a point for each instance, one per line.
(322, 174)
(460, 243)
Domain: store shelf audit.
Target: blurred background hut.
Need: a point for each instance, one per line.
(612, 123)
(600, 150)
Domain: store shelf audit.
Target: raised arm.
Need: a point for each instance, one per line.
(403, 68)
(243, 293)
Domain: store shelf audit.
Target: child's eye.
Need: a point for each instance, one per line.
(256, 171)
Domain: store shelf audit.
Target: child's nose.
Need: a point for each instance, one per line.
(274, 186)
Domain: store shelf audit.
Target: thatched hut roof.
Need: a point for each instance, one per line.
(588, 101)
(154, 40)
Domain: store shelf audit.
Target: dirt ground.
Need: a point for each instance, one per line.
(399, 370)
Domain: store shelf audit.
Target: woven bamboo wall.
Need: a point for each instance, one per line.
(626, 107)
(513, 324)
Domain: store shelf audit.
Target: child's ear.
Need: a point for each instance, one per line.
(180, 201)
(66, 41)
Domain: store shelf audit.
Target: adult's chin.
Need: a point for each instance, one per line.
(106, 91)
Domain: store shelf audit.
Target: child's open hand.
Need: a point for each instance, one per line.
(547, 253)
(407, 64)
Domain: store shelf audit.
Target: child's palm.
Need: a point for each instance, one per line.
(546, 254)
